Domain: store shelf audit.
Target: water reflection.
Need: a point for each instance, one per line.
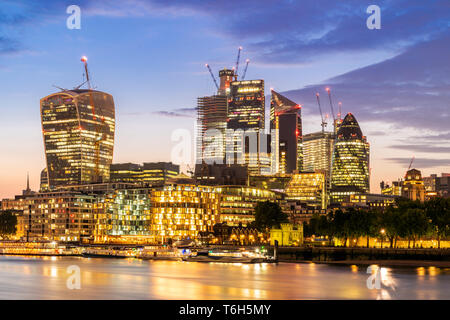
(45, 278)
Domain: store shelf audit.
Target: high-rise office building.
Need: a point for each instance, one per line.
(350, 168)
(247, 144)
(286, 128)
(211, 126)
(318, 152)
(78, 129)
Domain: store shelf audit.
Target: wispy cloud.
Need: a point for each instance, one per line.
(421, 162)
(175, 113)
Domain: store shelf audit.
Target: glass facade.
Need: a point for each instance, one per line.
(286, 126)
(238, 203)
(246, 140)
(318, 152)
(211, 126)
(78, 129)
(308, 188)
(350, 164)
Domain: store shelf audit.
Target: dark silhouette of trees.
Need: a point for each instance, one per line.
(267, 215)
(8, 223)
(406, 219)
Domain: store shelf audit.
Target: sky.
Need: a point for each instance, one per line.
(150, 55)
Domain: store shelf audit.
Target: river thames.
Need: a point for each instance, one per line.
(46, 278)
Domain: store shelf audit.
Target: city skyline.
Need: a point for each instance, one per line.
(391, 117)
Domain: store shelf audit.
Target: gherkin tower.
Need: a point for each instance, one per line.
(350, 164)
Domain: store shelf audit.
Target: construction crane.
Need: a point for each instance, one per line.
(324, 124)
(212, 75)
(100, 136)
(331, 103)
(340, 110)
(245, 69)
(410, 164)
(237, 63)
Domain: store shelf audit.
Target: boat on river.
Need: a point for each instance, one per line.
(114, 252)
(226, 256)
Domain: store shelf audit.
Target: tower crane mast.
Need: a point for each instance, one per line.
(323, 124)
(212, 76)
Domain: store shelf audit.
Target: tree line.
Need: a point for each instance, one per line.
(405, 219)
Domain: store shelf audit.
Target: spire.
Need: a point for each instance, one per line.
(28, 181)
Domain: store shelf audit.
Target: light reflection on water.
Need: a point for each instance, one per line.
(45, 278)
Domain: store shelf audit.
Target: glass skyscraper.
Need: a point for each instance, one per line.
(246, 117)
(286, 126)
(78, 129)
(350, 164)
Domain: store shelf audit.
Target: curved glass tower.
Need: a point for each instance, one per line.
(78, 129)
(350, 164)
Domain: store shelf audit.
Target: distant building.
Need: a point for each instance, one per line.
(59, 216)
(350, 164)
(308, 188)
(379, 201)
(286, 130)
(44, 181)
(153, 173)
(287, 235)
(270, 182)
(413, 187)
(237, 203)
(395, 189)
(212, 115)
(318, 152)
(78, 129)
(246, 142)
(221, 174)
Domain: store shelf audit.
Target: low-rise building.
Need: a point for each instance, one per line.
(287, 235)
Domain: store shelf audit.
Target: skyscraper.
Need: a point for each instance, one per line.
(211, 126)
(318, 152)
(286, 126)
(212, 113)
(78, 129)
(350, 169)
(246, 116)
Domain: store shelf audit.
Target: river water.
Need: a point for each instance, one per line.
(47, 277)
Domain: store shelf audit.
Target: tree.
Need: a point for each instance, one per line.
(416, 224)
(8, 223)
(438, 212)
(267, 215)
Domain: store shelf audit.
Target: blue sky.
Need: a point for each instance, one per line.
(150, 56)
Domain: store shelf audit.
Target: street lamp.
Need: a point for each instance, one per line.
(382, 231)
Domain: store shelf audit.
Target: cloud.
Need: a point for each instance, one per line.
(411, 90)
(421, 162)
(422, 148)
(175, 113)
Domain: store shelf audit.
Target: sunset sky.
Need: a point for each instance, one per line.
(150, 56)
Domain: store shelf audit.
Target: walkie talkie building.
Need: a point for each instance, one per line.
(78, 129)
